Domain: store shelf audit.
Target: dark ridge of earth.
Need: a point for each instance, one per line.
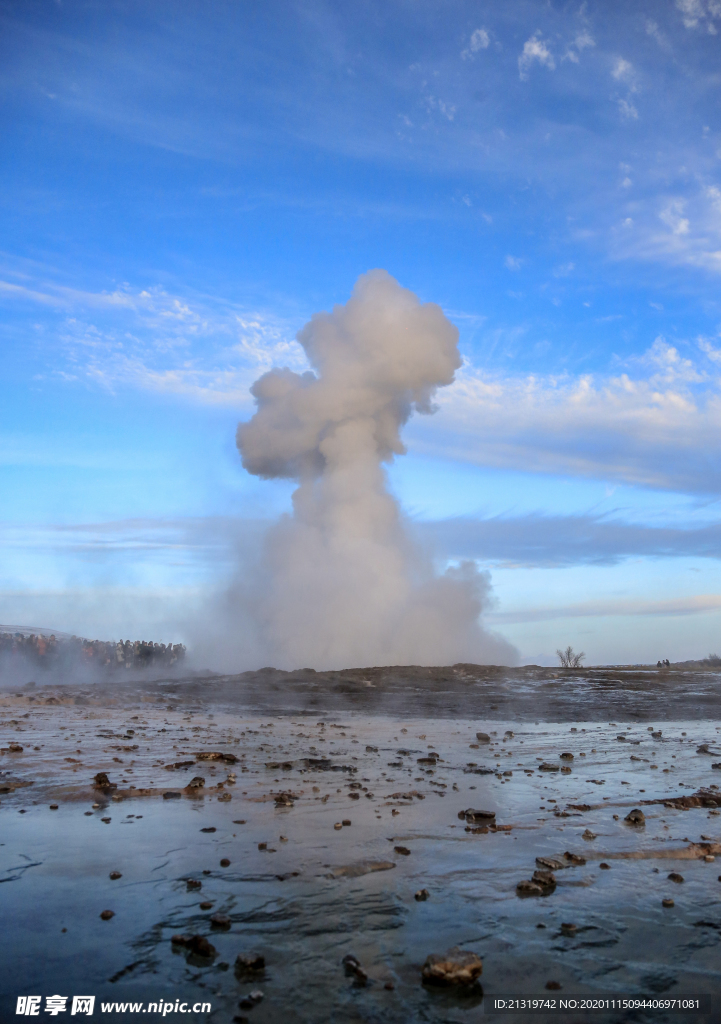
(620, 694)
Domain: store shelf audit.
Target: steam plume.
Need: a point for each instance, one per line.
(341, 583)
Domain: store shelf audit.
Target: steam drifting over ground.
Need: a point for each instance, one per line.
(339, 582)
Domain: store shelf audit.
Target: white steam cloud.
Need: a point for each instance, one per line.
(340, 583)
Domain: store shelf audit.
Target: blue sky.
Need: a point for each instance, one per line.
(184, 184)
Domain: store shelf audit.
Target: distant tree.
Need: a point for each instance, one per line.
(713, 659)
(569, 658)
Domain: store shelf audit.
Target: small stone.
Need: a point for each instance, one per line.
(199, 945)
(546, 766)
(193, 883)
(675, 877)
(206, 904)
(566, 756)
(457, 967)
(338, 826)
(353, 969)
(210, 828)
(635, 817)
(106, 821)
(220, 921)
(422, 895)
(105, 915)
(196, 783)
(170, 795)
(568, 929)
(403, 850)
(389, 986)
(604, 866)
(588, 835)
(262, 846)
(53, 807)
(483, 737)
(251, 1000)
(346, 822)
(249, 964)
(114, 875)
(225, 863)
(667, 903)
(709, 858)
(553, 986)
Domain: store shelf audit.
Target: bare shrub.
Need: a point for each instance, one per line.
(569, 658)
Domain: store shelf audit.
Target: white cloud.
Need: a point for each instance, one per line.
(660, 429)
(655, 32)
(672, 216)
(696, 13)
(512, 263)
(534, 49)
(582, 42)
(695, 605)
(622, 70)
(479, 40)
(628, 111)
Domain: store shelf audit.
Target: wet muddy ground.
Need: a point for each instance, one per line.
(262, 842)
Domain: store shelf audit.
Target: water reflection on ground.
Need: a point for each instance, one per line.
(401, 776)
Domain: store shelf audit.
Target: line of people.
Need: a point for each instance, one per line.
(124, 656)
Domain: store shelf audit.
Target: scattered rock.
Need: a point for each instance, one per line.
(210, 828)
(101, 781)
(353, 969)
(215, 755)
(553, 986)
(170, 795)
(422, 895)
(546, 766)
(178, 765)
(197, 782)
(249, 965)
(483, 737)
(568, 929)
(105, 915)
(225, 863)
(251, 1000)
(338, 826)
(403, 850)
(346, 822)
(475, 816)
(675, 877)
(667, 903)
(206, 904)
(635, 817)
(566, 756)
(542, 884)
(588, 835)
(193, 883)
(221, 921)
(604, 866)
(53, 807)
(114, 875)
(457, 967)
(197, 944)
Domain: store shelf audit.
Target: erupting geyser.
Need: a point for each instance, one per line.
(341, 582)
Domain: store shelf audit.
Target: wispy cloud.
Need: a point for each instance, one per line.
(696, 605)
(535, 49)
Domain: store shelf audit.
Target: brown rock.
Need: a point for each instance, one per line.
(457, 967)
(635, 817)
(114, 875)
(225, 863)
(249, 965)
(422, 895)
(403, 850)
(675, 877)
(105, 915)
(220, 921)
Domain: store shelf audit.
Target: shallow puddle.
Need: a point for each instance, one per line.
(303, 892)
